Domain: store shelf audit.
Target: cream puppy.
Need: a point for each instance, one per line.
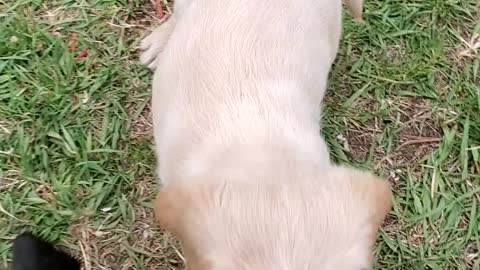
(248, 182)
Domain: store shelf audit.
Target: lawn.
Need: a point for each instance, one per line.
(76, 163)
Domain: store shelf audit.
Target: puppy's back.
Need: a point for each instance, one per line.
(242, 72)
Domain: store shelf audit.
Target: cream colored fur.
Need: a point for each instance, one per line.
(236, 106)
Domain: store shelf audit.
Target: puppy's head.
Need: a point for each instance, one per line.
(327, 221)
(33, 253)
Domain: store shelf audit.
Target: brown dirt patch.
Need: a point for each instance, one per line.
(142, 126)
(416, 134)
(402, 138)
(147, 16)
(471, 255)
(360, 137)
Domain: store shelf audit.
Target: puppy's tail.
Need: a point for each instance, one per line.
(355, 8)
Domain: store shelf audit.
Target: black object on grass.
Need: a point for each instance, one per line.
(31, 252)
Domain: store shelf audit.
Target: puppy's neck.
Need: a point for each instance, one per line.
(248, 161)
(255, 131)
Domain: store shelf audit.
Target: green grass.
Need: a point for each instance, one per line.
(407, 104)
(75, 156)
(72, 164)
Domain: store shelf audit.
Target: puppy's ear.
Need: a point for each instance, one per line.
(176, 205)
(372, 191)
(169, 207)
(182, 210)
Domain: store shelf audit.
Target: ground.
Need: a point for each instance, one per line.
(76, 163)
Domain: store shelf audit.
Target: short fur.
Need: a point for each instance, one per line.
(248, 180)
(33, 253)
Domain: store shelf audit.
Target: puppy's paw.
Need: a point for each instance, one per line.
(153, 44)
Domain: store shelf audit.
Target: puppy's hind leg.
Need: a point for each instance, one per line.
(152, 45)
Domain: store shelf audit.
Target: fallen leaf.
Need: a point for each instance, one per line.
(82, 54)
(74, 100)
(71, 43)
(159, 7)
